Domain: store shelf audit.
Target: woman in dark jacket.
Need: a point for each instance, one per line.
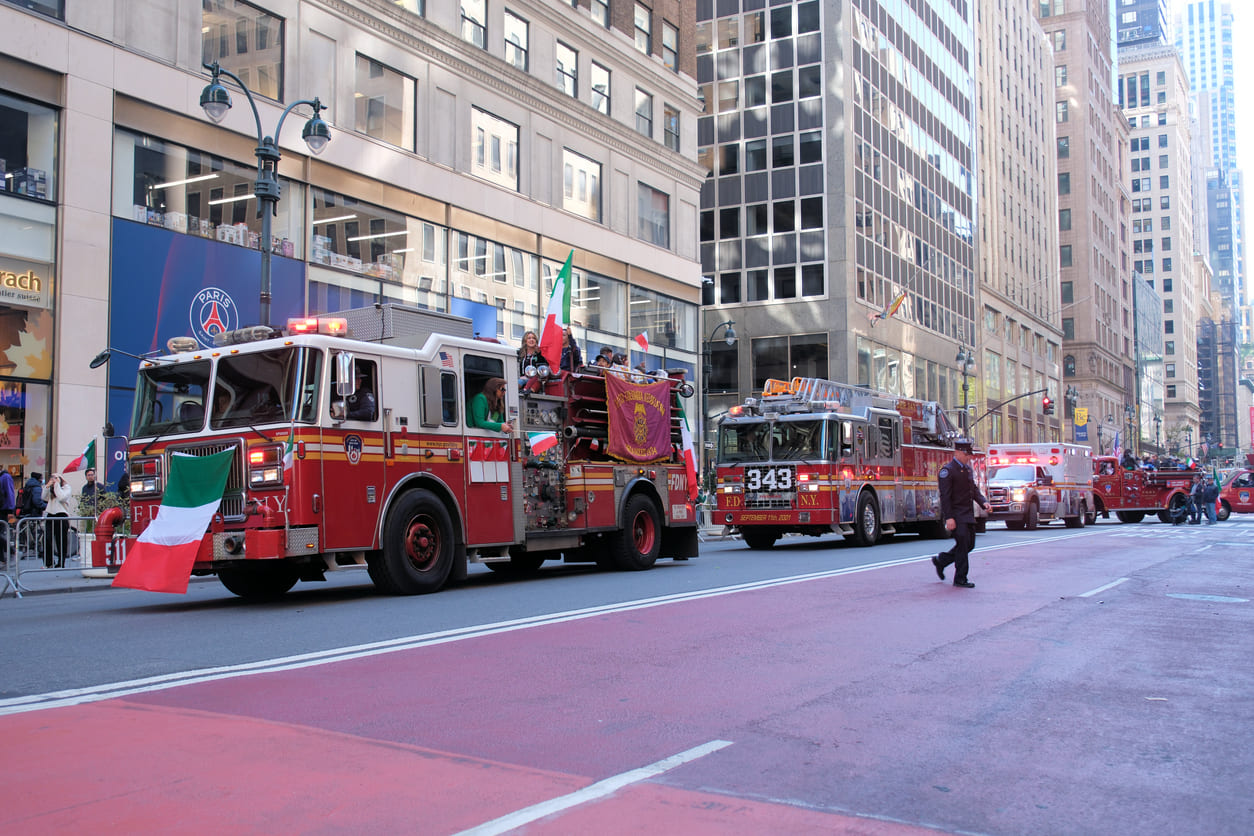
(529, 355)
(572, 357)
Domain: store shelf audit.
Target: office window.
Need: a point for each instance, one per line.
(1162, 140)
(567, 69)
(1171, 369)
(644, 29)
(1064, 253)
(653, 215)
(475, 22)
(516, 40)
(810, 147)
(755, 155)
(644, 112)
(1059, 40)
(239, 36)
(1169, 347)
(757, 219)
(384, 102)
(581, 185)
(782, 151)
(1064, 147)
(670, 46)
(728, 159)
(1060, 75)
(1064, 219)
(1064, 182)
(1164, 202)
(729, 223)
(600, 80)
(1060, 112)
(1171, 391)
(670, 127)
(495, 155)
(601, 12)
(1169, 326)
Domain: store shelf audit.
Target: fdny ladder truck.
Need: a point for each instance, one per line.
(812, 456)
(410, 489)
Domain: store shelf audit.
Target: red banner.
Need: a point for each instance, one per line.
(639, 419)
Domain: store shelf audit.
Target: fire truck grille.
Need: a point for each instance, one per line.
(233, 498)
(776, 502)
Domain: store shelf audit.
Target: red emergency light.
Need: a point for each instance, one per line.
(331, 326)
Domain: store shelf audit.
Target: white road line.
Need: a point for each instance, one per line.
(600, 789)
(1100, 589)
(96, 693)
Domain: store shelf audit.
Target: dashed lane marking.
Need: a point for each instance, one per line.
(1101, 589)
(600, 789)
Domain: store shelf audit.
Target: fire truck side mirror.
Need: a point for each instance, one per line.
(345, 381)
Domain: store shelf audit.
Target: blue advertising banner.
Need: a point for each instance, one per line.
(1081, 432)
(167, 284)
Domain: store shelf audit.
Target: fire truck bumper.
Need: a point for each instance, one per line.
(778, 518)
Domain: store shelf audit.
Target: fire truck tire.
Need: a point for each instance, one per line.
(636, 547)
(1014, 525)
(263, 582)
(1090, 517)
(417, 546)
(758, 537)
(1223, 511)
(1130, 516)
(866, 523)
(1078, 520)
(1033, 520)
(1174, 508)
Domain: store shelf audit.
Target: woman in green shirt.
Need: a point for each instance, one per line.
(487, 409)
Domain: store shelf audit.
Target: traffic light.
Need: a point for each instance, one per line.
(1047, 405)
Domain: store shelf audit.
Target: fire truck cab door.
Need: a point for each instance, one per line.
(353, 466)
(490, 514)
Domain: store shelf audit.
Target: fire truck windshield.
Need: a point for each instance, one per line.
(171, 399)
(770, 441)
(279, 384)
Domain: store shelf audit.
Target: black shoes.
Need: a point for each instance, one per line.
(965, 584)
(940, 570)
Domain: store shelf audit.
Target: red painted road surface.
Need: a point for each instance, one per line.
(883, 702)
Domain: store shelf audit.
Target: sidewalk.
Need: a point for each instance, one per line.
(36, 579)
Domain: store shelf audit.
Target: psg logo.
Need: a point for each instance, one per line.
(213, 311)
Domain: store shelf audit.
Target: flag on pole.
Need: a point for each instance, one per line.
(557, 315)
(889, 310)
(642, 340)
(162, 558)
(86, 460)
(289, 451)
(541, 441)
(690, 456)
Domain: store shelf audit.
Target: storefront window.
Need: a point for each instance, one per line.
(28, 143)
(247, 41)
(183, 190)
(378, 256)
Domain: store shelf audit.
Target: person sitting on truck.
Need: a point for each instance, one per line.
(572, 357)
(529, 355)
(1107, 469)
(361, 404)
(1128, 461)
(487, 409)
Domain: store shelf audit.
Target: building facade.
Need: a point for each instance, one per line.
(838, 221)
(473, 148)
(1092, 158)
(1020, 329)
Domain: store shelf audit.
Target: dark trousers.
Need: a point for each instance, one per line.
(964, 541)
(57, 532)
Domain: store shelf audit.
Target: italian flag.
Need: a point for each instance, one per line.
(690, 456)
(542, 441)
(557, 316)
(162, 558)
(86, 459)
(642, 340)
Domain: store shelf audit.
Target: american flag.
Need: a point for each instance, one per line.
(446, 360)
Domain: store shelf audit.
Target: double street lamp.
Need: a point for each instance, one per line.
(966, 365)
(215, 99)
(707, 370)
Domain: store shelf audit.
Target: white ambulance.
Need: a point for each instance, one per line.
(1032, 483)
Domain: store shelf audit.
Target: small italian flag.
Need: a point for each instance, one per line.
(642, 340)
(289, 451)
(162, 558)
(690, 456)
(541, 441)
(86, 460)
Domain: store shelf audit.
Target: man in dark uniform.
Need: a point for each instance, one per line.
(957, 493)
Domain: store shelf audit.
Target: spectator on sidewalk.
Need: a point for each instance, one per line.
(57, 533)
(8, 505)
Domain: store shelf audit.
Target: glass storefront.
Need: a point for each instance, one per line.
(28, 163)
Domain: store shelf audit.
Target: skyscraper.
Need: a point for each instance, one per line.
(837, 223)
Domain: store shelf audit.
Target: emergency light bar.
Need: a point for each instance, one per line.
(243, 335)
(331, 326)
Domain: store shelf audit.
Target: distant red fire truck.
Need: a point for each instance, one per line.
(1131, 494)
(813, 457)
(411, 489)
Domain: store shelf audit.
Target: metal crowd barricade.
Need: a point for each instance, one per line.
(9, 560)
(29, 550)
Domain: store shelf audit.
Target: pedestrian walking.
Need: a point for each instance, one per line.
(1210, 493)
(958, 493)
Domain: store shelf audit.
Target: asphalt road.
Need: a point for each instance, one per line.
(1095, 681)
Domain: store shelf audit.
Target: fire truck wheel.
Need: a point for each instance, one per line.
(417, 546)
(636, 546)
(1130, 516)
(1223, 511)
(1078, 520)
(1034, 517)
(1175, 508)
(866, 523)
(263, 582)
(757, 537)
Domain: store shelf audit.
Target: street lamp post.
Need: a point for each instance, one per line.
(1133, 431)
(966, 364)
(1072, 397)
(707, 369)
(1188, 441)
(1158, 428)
(216, 101)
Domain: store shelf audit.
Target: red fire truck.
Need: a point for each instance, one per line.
(1132, 494)
(812, 457)
(400, 482)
